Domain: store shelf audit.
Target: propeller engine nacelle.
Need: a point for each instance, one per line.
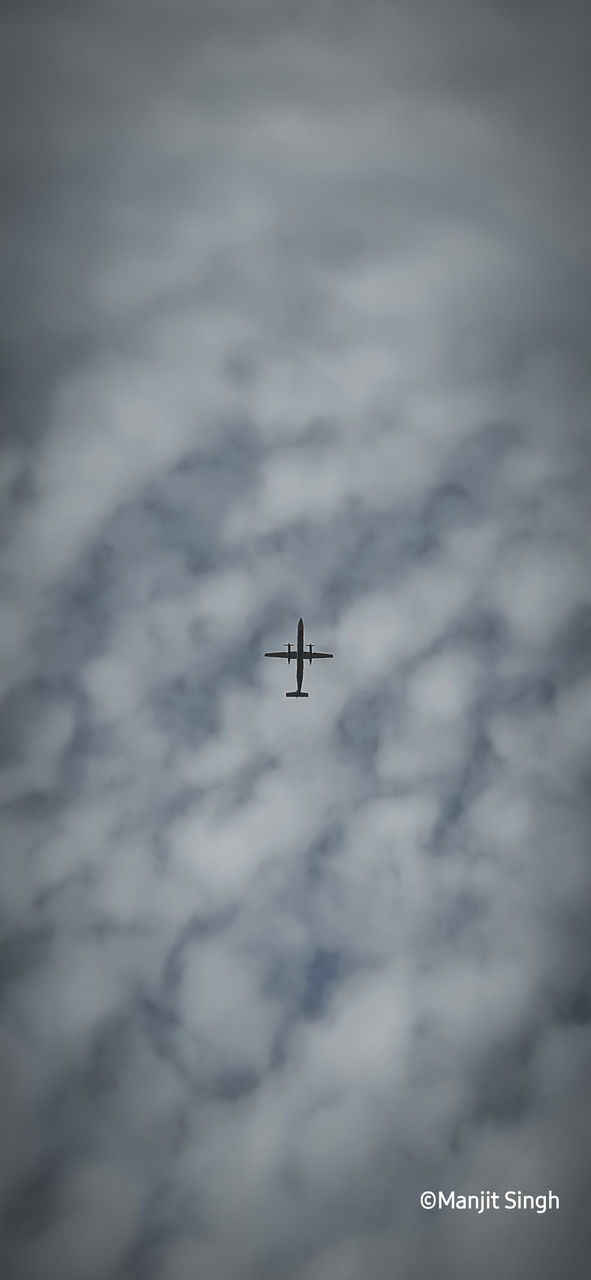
(310, 652)
(288, 653)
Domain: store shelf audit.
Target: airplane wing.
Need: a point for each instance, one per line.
(320, 655)
(280, 655)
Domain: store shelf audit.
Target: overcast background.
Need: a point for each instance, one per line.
(295, 320)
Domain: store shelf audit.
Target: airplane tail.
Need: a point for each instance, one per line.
(296, 694)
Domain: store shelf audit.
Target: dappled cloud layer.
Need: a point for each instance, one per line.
(296, 322)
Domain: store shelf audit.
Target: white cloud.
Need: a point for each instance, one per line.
(384, 628)
(536, 587)
(64, 1001)
(230, 1025)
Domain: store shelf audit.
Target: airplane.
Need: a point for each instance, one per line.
(299, 657)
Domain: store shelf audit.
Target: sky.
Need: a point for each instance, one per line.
(295, 321)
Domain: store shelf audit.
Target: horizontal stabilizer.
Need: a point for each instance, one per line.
(296, 694)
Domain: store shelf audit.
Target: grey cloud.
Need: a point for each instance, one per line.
(295, 322)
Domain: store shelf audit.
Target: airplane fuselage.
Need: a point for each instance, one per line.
(300, 655)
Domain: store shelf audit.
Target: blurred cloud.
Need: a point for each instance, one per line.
(296, 318)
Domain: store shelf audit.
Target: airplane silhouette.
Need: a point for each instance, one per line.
(298, 654)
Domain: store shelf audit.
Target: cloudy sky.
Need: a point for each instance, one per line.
(295, 320)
